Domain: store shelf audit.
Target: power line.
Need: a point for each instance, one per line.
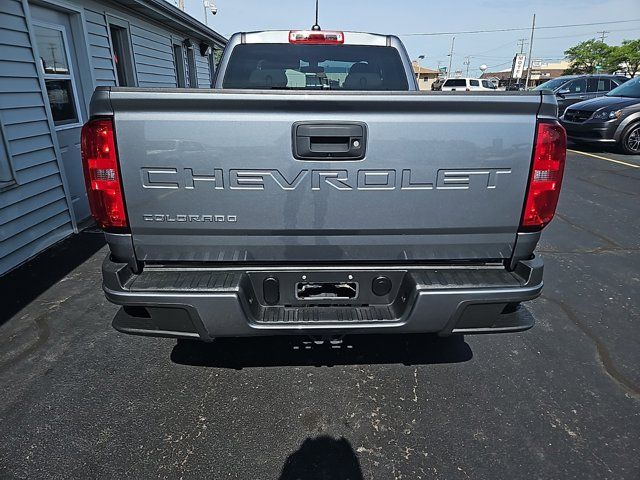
(575, 35)
(518, 29)
(493, 49)
(522, 43)
(467, 62)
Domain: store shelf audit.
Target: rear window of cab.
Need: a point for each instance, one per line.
(284, 66)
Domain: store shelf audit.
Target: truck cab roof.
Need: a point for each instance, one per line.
(315, 59)
(348, 38)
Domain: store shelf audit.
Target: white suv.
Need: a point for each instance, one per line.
(466, 84)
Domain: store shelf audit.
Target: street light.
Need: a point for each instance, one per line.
(417, 62)
(212, 8)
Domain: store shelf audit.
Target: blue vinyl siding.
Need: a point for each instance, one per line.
(203, 74)
(100, 49)
(34, 207)
(153, 54)
(33, 212)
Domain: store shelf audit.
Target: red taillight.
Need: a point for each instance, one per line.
(316, 37)
(549, 156)
(102, 175)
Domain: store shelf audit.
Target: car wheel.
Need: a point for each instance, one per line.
(630, 143)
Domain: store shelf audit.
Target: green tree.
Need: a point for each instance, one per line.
(217, 55)
(626, 57)
(585, 56)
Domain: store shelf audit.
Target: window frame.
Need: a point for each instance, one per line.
(611, 85)
(595, 82)
(58, 76)
(453, 80)
(127, 60)
(575, 80)
(179, 64)
(6, 165)
(192, 66)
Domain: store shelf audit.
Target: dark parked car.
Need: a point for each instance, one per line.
(515, 87)
(436, 86)
(576, 88)
(613, 118)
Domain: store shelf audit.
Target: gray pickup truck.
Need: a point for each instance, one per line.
(315, 191)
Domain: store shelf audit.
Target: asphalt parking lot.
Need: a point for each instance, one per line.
(79, 400)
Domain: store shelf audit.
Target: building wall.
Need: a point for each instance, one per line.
(425, 81)
(34, 209)
(34, 200)
(152, 49)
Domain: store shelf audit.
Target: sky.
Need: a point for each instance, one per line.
(401, 17)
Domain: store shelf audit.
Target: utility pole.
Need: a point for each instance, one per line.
(533, 29)
(522, 42)
(603, 35)
(451, 57)
(467, 62)
(205, 5)
(181, 5)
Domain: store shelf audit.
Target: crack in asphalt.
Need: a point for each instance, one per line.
(588, 230)
(42, 335)
(596, 184)
(607, 362)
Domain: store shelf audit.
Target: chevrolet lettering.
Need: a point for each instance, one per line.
(260, 179)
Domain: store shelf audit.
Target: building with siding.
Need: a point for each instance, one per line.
(53, 53)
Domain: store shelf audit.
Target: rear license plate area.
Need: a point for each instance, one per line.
(311, 291)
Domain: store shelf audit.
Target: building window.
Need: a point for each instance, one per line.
(191, 66)
(178, 60)
(122, 56)
(55, 64)
(6, 172)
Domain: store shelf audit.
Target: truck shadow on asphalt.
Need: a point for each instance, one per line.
(238, 353)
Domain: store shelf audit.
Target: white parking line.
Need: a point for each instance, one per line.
(632, 165)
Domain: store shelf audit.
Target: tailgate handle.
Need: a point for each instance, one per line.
(329, 141)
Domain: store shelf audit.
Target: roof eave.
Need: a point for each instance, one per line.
(174, 17)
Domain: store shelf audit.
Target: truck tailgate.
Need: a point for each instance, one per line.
(211, 176)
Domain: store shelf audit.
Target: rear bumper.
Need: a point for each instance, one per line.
(206, 303)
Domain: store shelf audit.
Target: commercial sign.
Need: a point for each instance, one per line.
(518, 65)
